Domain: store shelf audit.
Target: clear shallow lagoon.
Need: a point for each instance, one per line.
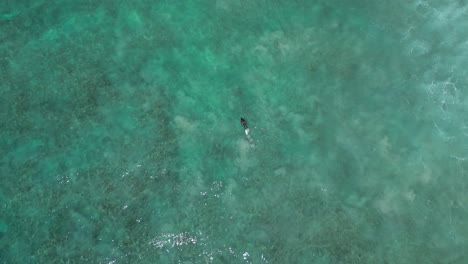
(121, 142)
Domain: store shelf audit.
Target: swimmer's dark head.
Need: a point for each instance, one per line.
(244, 123)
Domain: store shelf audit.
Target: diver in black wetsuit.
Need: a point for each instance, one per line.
(244, 124)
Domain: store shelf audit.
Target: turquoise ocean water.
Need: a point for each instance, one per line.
(120, 139)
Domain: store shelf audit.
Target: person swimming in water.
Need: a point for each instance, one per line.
(244, 124)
